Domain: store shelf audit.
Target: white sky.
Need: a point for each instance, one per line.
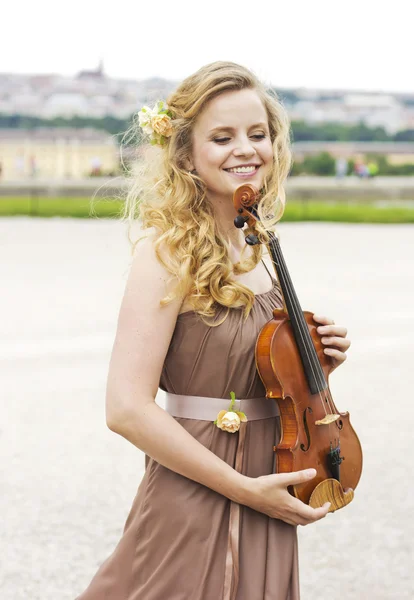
(353, 44)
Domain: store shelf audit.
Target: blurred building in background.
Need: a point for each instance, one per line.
(93, 94)
(397, 153)
(393, 112)
(47, 124)
(57, 153)
(89, 93)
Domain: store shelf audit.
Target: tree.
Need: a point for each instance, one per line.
(321, 164)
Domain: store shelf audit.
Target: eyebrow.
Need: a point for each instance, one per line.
(226, 128)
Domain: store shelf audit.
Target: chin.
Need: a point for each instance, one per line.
(257, 183)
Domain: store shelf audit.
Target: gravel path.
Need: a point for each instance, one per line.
(68, 483)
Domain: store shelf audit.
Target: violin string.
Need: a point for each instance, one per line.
(312, 354)
(299, 315)
(326, 397)
(297, 309)
(297, 312)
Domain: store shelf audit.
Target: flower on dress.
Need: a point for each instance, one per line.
(156, 122)
(230, 420)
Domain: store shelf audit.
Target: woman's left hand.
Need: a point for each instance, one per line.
(334, 338)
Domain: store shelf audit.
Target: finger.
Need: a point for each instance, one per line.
(340, 342)
(296, 477)
(302, 514)
(307, 513)
(299, 520)
(287, 520)
(291, 518)
(332, 330)
(336, 354)
(302, 522)
(322, 511)
(324, 320)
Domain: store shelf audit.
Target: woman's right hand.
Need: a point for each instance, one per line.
(268, 494)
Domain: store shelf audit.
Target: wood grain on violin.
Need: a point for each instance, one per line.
(294, 370)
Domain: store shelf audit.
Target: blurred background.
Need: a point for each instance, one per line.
(70, 84)
(71, 79)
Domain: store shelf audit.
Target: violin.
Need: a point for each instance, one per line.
(295, 370)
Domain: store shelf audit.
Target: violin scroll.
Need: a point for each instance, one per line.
(245, 197)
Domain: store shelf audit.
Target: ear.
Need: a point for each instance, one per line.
(188, 164)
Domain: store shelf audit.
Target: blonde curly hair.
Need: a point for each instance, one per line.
(164, 195)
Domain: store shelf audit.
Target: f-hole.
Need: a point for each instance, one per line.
(305, 425)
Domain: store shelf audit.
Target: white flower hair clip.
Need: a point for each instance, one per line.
(156, 122)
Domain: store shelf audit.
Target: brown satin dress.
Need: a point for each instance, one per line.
(175, 538)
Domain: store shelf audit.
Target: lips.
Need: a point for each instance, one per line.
(243, 169)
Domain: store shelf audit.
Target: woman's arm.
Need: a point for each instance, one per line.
(142, 339)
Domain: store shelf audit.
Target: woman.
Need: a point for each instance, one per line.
(210, 520)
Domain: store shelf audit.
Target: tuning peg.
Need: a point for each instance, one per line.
(252, 239)
(239, 221)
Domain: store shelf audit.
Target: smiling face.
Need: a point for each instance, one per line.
(231, 143)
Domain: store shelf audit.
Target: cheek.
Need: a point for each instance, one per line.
(267, 157)
(209, 157)
(268, 152)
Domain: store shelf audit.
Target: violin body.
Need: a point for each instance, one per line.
(304, 444)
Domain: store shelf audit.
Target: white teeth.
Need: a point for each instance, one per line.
(242, 169)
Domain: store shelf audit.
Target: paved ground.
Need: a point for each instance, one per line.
(67, 482)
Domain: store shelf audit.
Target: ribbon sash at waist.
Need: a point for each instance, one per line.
(206, 409)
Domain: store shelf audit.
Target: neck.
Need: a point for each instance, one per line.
(225, 214)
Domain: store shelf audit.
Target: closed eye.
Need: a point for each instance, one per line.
(224, 140)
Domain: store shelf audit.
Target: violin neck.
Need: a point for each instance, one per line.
(311, 365)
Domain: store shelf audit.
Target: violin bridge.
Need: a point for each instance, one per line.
(328, 419)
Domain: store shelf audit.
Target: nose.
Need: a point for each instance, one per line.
(244, 147)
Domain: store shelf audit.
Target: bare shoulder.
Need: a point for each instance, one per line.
(149, 281)
(147, 269)
(145, 328)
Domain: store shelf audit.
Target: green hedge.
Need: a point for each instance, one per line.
(82, 208)
(356, 212)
